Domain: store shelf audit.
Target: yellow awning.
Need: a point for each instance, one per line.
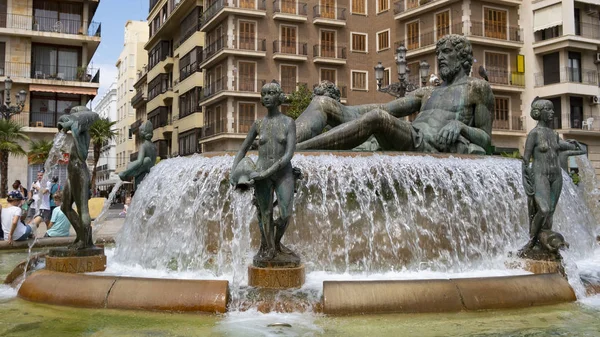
(64, 89)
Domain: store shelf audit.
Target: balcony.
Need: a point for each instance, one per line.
(220, 8)
(329, 16)
(289, 10)
(133, 156)
(329, 54)
(183, 38)
(225, 46)
(135, 126)
(574, 124)
(138, 99)
(50, 25)
(160, 117)
(589, 30)
(44, 119)
(426, 41)
(504, 79)
(50, 72)
(404, 9)
(513, 123)
(567, 75)
(215, 128)
(290, 50)
(494, 34)
(239, 86)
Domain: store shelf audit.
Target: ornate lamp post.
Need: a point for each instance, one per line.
(403, 86)
(5, 108)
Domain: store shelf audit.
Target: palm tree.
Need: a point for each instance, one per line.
(101, 132)
(11, 133)
(39, 151)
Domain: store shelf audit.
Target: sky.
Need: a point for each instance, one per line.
(113, 14)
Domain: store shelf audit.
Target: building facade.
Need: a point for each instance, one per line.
(169, 86)
(107, 108)
(132, 56)
(46, 48)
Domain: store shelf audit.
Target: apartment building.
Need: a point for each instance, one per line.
(107, 108)
(562, 55)
(132, 56)
(169, 87)
(46, 48)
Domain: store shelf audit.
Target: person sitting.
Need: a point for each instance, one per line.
(13, 228)
(59, 224)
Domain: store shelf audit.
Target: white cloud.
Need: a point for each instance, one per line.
(108, 75)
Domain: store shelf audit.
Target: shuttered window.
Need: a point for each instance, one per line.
(383, 5)
(442, 24)
(288, 40)
(495, 23)
(359, 80)
(328, 75)
(383, 40)
(247, 76)
(412, 35)
(288, 78)
(496, 66)
(247, 35)
(246, 117)
(328, 43)
(359, 42)
(328, 9)
(359, 6)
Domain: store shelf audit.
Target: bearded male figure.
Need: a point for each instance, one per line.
(455, 117)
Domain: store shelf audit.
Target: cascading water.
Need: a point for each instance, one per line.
(366, 214)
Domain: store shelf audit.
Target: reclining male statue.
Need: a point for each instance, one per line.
(454, 117)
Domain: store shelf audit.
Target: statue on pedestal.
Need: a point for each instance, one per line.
(146, 159)
(272, 173)
(543, 183)
(77, 187)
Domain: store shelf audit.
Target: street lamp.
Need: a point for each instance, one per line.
(403, 86)
(8, 110)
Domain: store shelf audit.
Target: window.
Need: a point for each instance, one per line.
(159, 85)
(190, 24)
(495, 23)
(412, 4)
(359, 80)
(496, 66)
(328, 9)
(442, 24)
(288, 6)
(159, 53)
(188, 102)
(359, 42)
(247, 36)
(412, 35)
(413, 73)
(59, 63)
(248, 4)
(383, 5)
(58, 17)
(359, 7)
(3, 60)
(327, 43)
(328, 75)
(47, 108)
(576, 104)
(574, 70)
(246, 116)
(288, 78)
(387, 77)
(188, 142)
(383, 40)
(288, 40)
(247, 76)
(188, 64)
(501, 113)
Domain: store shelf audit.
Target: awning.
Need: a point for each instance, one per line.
(64, 89)
(547, 17)
(111, 182)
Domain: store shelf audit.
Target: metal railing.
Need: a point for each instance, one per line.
(139, 97)
(64, 73)
(329, 12)
(215, 127)
(195, 28)
(15, 69)
(188, 70)
(239, 83)
(289, 7)
(494, 31)
(159, 117)
(567, 75)
(135, 125)
(513, 123)
(589, 30)
(498, 75)
(48, 24)
(219, 5)
(214, 87)
(575, 121)
(44, 119)
(429, 38)
(214, 47)
(251, 43)
(401, 7)
(290, 47)
(329, 51)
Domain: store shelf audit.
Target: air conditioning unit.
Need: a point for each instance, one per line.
(594, 100)
(597, 58)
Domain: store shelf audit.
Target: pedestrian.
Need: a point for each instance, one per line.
(55, 187)
(13, 228)
(41, 199)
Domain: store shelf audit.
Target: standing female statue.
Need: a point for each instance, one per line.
(272, 173)
(543, 182)
(77, 188)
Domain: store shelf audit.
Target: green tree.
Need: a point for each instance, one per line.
(11, 133)
(101, 133)
(299, 101)
(39, 151)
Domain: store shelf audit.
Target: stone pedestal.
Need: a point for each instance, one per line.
(76, 261)
(538, 266)
(276, 278)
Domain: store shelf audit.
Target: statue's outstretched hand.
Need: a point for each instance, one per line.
(449, 133)
(256, 176)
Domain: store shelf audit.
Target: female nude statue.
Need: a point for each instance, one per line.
(273, 173)
(146, 158)
(543, 182)
(77, 188)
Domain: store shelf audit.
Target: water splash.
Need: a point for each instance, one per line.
(359, 215)
(99, 221)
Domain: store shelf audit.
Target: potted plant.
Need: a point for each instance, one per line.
(81, 72)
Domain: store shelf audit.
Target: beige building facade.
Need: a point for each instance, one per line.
(169, 87)
(132, 56)
(46, 48)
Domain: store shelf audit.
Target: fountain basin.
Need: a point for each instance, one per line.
(339, 297)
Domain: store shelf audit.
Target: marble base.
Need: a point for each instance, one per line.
(276, 278)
